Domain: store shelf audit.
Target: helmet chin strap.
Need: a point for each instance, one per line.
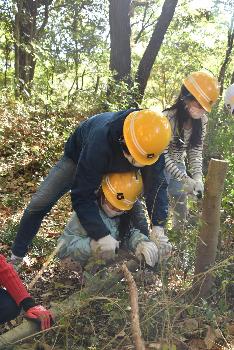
(132, 160)
(111, 213)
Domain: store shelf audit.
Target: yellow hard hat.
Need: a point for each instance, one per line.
(146, 133)
(204, 87)
(122, 189)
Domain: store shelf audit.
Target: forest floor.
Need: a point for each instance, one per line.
(169, 320)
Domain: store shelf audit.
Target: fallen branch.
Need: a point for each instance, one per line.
(135, 324)
(45, 265)
(74, 302)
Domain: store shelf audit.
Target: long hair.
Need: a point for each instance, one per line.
(181, 116)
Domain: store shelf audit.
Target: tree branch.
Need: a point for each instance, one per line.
(135, 324)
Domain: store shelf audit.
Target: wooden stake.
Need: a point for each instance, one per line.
(208, 238)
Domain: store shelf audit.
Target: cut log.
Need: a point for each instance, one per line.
(208, 238)
(74, 302)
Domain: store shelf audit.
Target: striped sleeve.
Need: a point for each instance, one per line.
(172, 154)
(171, 166)
(195, 157)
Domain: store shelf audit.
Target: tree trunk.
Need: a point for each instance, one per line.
(150, 54)
(7, 51)
(120, 33)
(25, 33)
(228, 55)
(232, 78)
(208, 238)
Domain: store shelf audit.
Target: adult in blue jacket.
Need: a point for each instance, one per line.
(105, 143)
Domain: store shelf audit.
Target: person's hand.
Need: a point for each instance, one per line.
(149, 251)
(199, 186)
(106, 247)
(161, 240)
(188, 185)
(41, 314)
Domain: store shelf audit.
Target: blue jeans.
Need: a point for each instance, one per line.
(155, 192)
(178, 199)
(8, 307)
(56, 184)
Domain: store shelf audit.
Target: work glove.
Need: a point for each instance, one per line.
(41, 314)
(149, 251)
(188, 185)
(161, 240)
(199, 186)
(106, 247)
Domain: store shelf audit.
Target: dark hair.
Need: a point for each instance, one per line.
(181, 116)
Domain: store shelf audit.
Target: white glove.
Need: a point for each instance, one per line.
(105, 247)
(188, 185)
(199, 186)
(161, 240)
(149, 251)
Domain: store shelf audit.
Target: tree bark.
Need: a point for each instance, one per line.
(228, 55)
(150, 54)
(232, 78)
(25, 33)
(120, 33)
(208, 238)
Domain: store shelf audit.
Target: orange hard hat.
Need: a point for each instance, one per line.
(204, 87)
(146, 133)
(122, 189)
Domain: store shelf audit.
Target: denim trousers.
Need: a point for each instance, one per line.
(55, 185)
(8, 307)
(178, 199)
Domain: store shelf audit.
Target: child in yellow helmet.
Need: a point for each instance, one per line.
(117, 200)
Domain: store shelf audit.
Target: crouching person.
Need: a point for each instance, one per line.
(125, 218)
(14, 297)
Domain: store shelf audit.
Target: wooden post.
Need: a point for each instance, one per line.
(208, 238)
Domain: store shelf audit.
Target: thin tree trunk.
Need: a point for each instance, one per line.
(208, 238)
(17, 44)
(7, 51)
(97, 84)
(232, 78)
(228, 55)
(150, 54)
(82, 79)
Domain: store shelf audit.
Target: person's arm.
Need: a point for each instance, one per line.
(10, 280)
(171, 165)
(157, 204)
(195, 157)
(139, 217)
(155, 192)
(170, 162)
(92, 165)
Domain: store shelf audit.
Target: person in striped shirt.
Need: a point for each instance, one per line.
(188, 119)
